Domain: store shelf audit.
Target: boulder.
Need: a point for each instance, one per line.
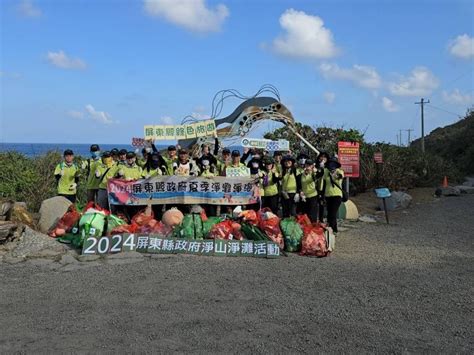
(51, 211)
(7, 230)
(33, 244)
(19, 214)
(447, 191)
(465, 189)
(397, 200)
(5, 210)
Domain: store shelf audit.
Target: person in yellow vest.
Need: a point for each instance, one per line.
(321, 161)
(289, 186)
(308, 191)
(67, 176)
(208, 171)
(224, 162)
(269, 180)
(333, 175)
(171, 160)
(104, 171)
(130, 171)
(155, 166)
(277, 157)
(88, 166)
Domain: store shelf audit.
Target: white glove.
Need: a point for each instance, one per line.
(72, 187)
(121, 172)
(297, 198)
(285, 195)
(97, 174)
(303, 197)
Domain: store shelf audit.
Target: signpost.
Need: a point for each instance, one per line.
(348, 153)
(378, 158)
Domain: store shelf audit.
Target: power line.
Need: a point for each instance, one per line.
(442, 109)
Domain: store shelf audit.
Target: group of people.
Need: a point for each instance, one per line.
(298, 186)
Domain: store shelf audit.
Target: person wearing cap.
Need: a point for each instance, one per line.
(114, 153)
(104, 171)
(236, 161)
(224, 162)
(141, 161)
(208, 171)
(308, 194)
(88, 167)
(269, 180)
(122, 157)
(130, 171)
(67, 176)
(301, 160)
(289, 186)
(333, 175)
(321, 161)
(185, 166)
(155, 166)
(171, 160)
(277, 157)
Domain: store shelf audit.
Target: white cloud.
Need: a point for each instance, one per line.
(457, 97)
(75, 114)
(62, 60)
(462, 46)
(329, 97)
(99, 116)
(28, 9)
(388, 105)
(420, 82)
(167, 120)
(193, 15)
(361, 75)
(305, 37)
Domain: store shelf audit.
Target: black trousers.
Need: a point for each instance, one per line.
(310, 208)
(71, 198)
(271, 202)
(92, 195)
(321, 206)
(332, 204)
(288, 206)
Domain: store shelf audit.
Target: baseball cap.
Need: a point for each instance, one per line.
(94, 148)
(68, 152)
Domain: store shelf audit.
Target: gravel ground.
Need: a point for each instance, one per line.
(405, 287)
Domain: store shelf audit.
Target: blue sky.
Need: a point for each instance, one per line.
(97, 71)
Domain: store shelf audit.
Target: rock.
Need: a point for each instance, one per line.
(19, 214)
(126, 255)
(5, 209)
(367, 219)
(7, 230)
(465, 189)
(88, 258)
(35, 244)
(450, 191)
(51, 211)
(68, 259)
(13, 260)
(397, 200)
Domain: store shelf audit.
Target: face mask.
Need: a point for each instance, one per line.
(148, 150)
(155, 164)
(302, 161)
(205, 163)
(131, 161)
(255, 165)
(95, 154)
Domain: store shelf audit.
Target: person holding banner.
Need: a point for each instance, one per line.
(308, 192)
(289, 186)
(104, 171)
(122, 157)
(208, 171)
(333, 175)
(130, 171)
(206, 155)
(269, 180)
(155, 166)
(185, 166)
(224, 162)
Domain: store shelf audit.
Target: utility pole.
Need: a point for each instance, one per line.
(409, 131)
(422, 103)
(400, 132)
(398, 140)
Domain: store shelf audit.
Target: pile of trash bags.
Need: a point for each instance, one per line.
(294, 234)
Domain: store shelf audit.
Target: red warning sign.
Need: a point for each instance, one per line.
(348, 153)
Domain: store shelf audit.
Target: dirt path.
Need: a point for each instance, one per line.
(403, 287)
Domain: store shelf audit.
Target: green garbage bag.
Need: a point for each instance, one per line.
(70, 238)
(252, 232)
(292, 233)
(92, 224)
(207, 225)
(113, 222)
(191, 227)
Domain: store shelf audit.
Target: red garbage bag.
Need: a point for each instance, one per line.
(148, 227)
(162, 230)
(142, 218)
(93, 205)
(125, 228)
(249, 216)
(303, 220)
(271, 227)
(226, 230)
(314, 242)
(66, 223)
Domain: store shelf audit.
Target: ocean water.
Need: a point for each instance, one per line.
(35, 149)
